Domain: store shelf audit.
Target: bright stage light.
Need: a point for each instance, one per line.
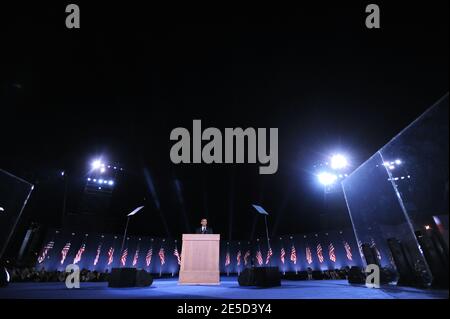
(398, 162)
(96, 164)
(111, 183)
(427, 227)
(102, 169)
(100, 181)
(326, 179)
(338, 161)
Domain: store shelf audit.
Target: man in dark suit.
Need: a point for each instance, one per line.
(204, 229)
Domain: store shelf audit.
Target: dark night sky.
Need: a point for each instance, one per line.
(121, 83)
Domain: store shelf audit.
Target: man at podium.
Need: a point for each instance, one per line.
(204, 229)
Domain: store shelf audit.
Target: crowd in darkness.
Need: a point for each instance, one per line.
(31, 274)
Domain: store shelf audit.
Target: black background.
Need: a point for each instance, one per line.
(120, 84)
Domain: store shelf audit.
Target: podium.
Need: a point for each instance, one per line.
(200, 259)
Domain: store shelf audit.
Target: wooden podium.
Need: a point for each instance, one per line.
(200, 259)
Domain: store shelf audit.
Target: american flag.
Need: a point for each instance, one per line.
(97, 256)
(162, 256)
(110, 255)
(123, 258)
(269, 254)
(331, 252)
(64, 252)
(320, 253)
(246, 255)
(227, 259)
(176, 254)
(80, 252)
(136, 257)
(44, 252)
(148, 258)
(238, 258)
(282, 254)
(293, 255)
(259, 257)
(348, 250)
(308, 255)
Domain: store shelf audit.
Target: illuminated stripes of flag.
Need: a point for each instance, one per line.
(246, 255)
(97, 255)
(320, 253)
(123, 258)
(308, 255)
(64, 252)
(269, 255)
(45, 251)
(148, 257)
(238, 258)
(282, 254)
(348, 251)
(176, 254)
(79, 254)
(293, 255)
(259, 257)
(136, 257)
(162, 256)
(227, 259)
(331, 252)
(110, 255)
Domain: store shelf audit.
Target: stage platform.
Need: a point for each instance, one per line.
(228, 289)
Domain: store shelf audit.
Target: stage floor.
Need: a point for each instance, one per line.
(228, 289)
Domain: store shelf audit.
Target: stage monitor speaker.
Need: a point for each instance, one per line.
(143, 278)
(260, 276)
(356, 276)
(247, 277)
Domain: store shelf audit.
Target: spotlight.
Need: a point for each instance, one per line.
(326, 178)
(338, 161)
(427, 227)
(111, 183)
(398, 162)
(102, 169)
(100, 181)
(96, 164)
(89, 179)
(62, 173)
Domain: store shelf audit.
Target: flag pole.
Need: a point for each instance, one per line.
(268, 240)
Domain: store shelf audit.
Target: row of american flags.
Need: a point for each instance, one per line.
(260, 260)
(97, 252)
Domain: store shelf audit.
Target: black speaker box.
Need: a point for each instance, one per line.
(260, 276)
(143, 278)
(129, 277)
(247, 277)
(356, 276)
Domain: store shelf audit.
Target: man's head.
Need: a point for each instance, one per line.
(204, 222)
